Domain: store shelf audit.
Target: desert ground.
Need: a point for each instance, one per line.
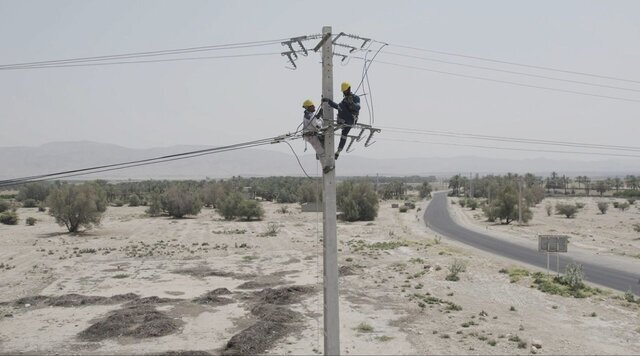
(609, 234)
(141, 285)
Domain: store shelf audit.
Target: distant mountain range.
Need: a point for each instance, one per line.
(61, 156)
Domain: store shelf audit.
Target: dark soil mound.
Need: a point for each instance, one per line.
(34, 300)
(140, 321)
(346, 271)
(275, 321)
(283, 295)
(152, 300)
(213, 297)
(255, 285)
(276, 313)
(256, 339)
(201, 272)
(74, 300)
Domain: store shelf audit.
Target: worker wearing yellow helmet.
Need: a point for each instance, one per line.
(311, 125)
(348, 111)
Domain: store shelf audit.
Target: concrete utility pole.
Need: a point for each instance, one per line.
(329, 238)
(520, 202)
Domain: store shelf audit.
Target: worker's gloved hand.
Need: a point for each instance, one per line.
(325, 100)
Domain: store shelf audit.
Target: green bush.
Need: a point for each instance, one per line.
(623, 206)
(180, 201)
(616, 204)
(230, 208)
(251, 209)
(579, 205)
(462, 202)
(567, 210)
(455, 268)
(74, 206)
(9, 218)
(403, 209)
(472, 204)
(134, 200)
(155, 205)
(29, 203)
(603, 206)
(31, 221)
(358, 201)
(42, 208)
(4, 206)
(117, 203)
(37, 191)
(573, 276)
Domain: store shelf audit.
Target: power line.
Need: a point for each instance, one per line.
(146, 54)
(511, 148)
(148, 61)
(505, 81)
(143, 162)
(510, 71)
(132, 166)
(518, 64)
(511, 139)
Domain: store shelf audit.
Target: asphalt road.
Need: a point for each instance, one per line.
(438, 219)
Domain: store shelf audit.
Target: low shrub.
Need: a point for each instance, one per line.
(134, 200)
(9, 218)
(623, 206)
(549, 209)
(567, 210)
(403, 209)
(4, 206)
(603, 206)
(29, 203)
(31, 221)
(42, 208)
(456, 267)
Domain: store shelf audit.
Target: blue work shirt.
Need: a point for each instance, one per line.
(348, 109)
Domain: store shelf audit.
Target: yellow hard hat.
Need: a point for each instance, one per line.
(307, 103)
(344, 86)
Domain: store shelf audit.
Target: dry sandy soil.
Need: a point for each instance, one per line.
(140, 285)
(603, 234)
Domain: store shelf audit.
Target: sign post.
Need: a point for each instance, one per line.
(553, 244)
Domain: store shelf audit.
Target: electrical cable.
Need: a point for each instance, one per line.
(297, 159)
(130, 164)
(147, 61)
(369, 65)
(506, 81)
(512, 148)
(510, 139)
(146, 54)
(517, 64)
(510, 71)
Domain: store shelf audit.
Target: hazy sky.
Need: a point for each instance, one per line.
(224, 101)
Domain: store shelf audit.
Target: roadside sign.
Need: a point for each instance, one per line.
(552, 243)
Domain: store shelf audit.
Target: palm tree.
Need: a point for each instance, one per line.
(618, 183)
